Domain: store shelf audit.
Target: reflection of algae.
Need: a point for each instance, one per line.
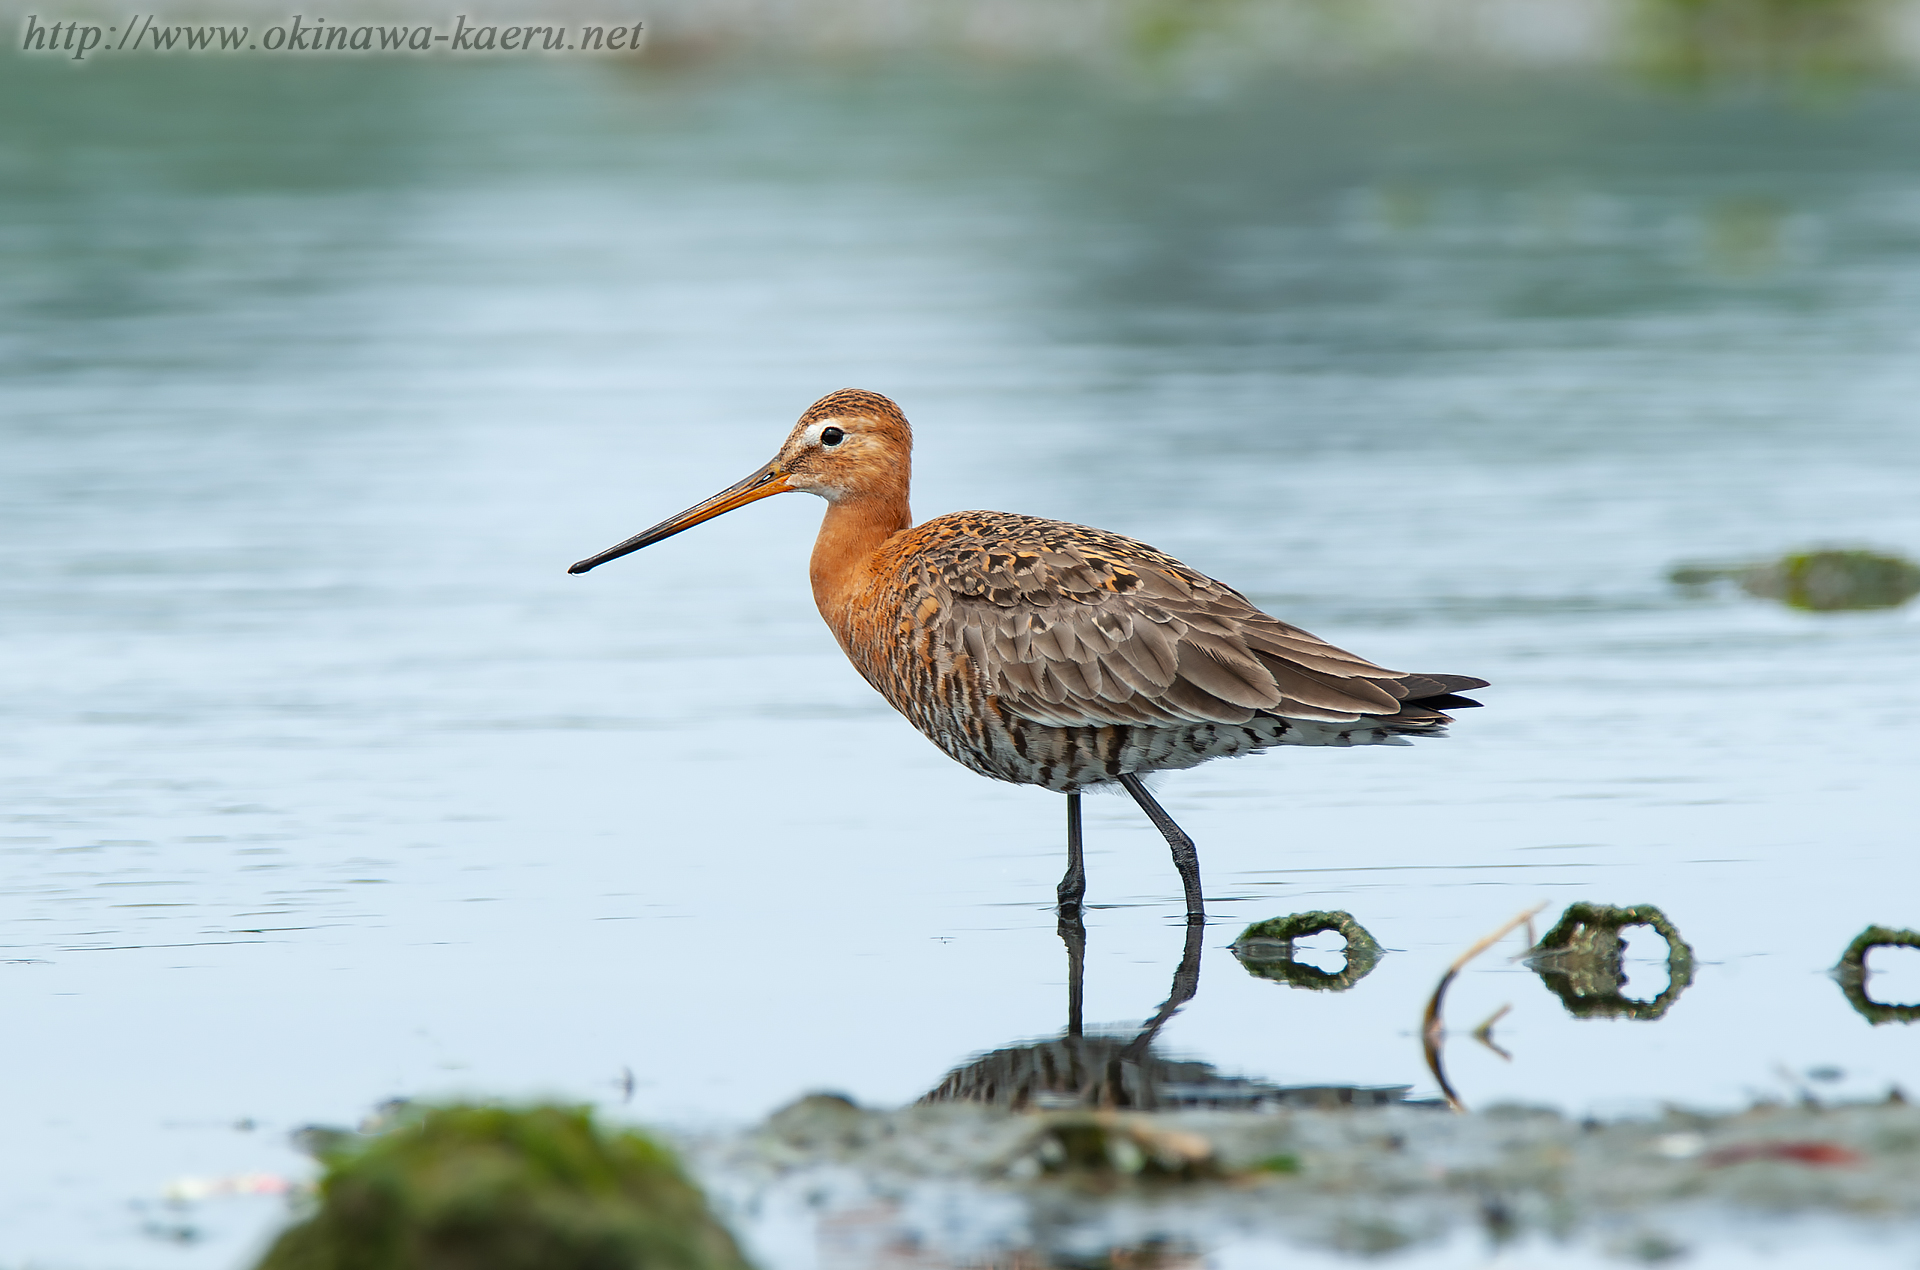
(1580, 961)
(495, 1188)
(1698, 42)
(1265, 949)
(1852, 974)
(1825, 581)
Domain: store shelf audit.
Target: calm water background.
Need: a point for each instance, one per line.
(323, 784)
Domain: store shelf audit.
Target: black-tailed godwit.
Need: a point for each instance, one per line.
(1050, 654)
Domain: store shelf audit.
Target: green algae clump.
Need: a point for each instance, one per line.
(1580, 961)
(1825, 581)
(1833, 581)
(1696, 43)
(1852, 974)
(1265, 950)
(467, 1187)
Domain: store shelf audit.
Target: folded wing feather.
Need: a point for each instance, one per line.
(1076, 627)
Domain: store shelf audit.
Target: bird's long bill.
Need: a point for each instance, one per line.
(768, 481)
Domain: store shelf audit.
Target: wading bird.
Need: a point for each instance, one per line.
(1050, 654)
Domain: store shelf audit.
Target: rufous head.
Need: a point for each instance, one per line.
(849, 444)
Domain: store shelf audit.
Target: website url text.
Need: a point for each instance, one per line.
(144, 34)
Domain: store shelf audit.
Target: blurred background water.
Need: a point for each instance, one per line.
(323, 784)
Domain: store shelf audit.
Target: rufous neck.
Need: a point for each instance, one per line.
(854, 529)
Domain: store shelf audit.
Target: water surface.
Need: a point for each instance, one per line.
(323, 784)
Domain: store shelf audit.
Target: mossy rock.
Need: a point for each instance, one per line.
(498, 1188)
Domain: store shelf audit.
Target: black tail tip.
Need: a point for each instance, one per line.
(1449, 701)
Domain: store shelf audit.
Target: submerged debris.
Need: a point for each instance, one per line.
(1102, 1149)
(496, 1188)
(1826, 581)
(1433, 1029)
(1813, 1154)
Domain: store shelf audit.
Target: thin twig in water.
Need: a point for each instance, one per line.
(1533, 940)
(1484, 1033)
(1432, 1030)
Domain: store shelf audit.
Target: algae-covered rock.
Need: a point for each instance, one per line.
(498, 1188)
(1827, 581)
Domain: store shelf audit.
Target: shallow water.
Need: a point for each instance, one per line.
(323, 784)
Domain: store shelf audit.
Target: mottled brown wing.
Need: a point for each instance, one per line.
(1076, 627)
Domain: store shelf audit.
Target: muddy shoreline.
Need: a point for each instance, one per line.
(971, 1185)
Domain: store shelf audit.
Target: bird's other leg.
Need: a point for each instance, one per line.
(1185, 858)
(1073, 887)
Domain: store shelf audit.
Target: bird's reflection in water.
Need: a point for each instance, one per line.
(1580, 961)
(1119, 1070)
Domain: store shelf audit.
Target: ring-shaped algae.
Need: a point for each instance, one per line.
(1265, 949)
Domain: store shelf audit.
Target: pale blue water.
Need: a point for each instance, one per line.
(323, 784)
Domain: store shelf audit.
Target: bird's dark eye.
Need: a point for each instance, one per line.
(831, 436)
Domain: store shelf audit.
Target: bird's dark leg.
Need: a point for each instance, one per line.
(1186, 982)
(1073, 933)
(1073, 887)
(1145, 1092)
(1185, 858)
